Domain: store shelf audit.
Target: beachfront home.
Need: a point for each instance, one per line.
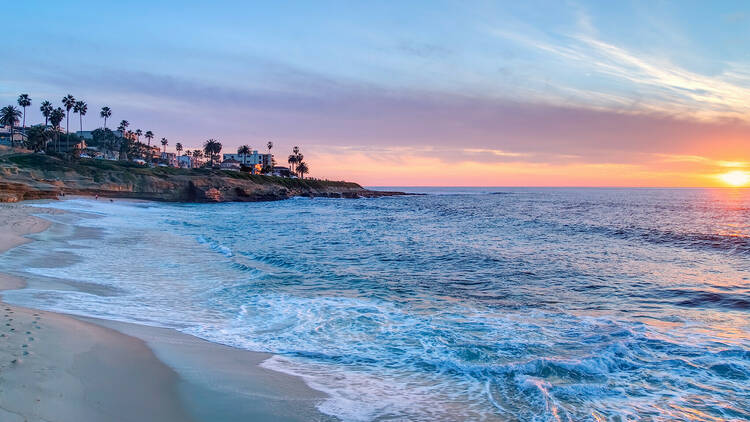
(152, 153)
(185, 162)
(231, 164)
(18, 136)
(252, 159)
(282, 171)
(169, 158)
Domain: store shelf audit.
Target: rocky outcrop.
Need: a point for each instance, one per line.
(38, 176)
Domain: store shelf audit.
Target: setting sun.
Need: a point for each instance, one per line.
(735, 178)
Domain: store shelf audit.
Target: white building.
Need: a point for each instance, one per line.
(185, 162)
(230, 164)
(252, 159)
(169, 158)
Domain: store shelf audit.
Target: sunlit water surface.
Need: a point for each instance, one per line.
(494, 304)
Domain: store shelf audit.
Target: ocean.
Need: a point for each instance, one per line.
(508, 304)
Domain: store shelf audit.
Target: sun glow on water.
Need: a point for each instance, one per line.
(736, 178)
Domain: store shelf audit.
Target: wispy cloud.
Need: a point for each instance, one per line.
(656, 84)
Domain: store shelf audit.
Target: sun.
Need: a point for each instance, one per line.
(735, 178)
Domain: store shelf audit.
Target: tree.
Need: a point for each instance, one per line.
(37, 137)
(164, 143)
(295, 159)
(24, 101)
(269, 145)
(212, 148)
(10, 116)
(244, 151)
(106, 113)
(81, 108)
(105, 139)
(123, 126)
(138, 134)
(149, 136)
(178, 148)
(197, 155)
(292, 160)
(46, 109)
(69, 102)
(56, 118)
(302, 169)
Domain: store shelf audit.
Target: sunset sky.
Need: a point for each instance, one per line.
(443, 93)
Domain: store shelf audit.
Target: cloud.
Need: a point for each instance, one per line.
(668, 88)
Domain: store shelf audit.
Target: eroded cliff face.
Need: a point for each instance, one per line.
(35, 176)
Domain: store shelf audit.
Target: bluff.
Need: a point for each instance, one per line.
(25, 176)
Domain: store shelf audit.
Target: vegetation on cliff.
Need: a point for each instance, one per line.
(37, 175)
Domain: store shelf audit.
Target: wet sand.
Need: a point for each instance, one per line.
(55, 367)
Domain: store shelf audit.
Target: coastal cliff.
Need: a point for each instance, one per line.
(25, 176)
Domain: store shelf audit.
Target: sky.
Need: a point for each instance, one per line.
(417, 93)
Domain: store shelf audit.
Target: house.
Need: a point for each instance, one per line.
(19, 137)
(281, 172)
(66, 144)
(185, 162)
(252, 159)
(169, 158)
(152, 153)
(231, 164)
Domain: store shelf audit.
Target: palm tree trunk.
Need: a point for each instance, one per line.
(80, 121)
(24, 118)
(67, 124)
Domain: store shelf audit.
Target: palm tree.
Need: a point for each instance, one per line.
(46, 109)
(56, 118)
(81, 108)
(37, 138)
(69, 102)
(295, 150)
(149, 136)
(105, 113)
(9, 116)
(269, 145)
(244, 151)
(292, 160)
(123, 126)
(212, 147)
(24, 101)
(178, 148)
(302, 169)
(164, 143)
(138, 133)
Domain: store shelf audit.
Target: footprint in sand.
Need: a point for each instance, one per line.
(31, 338)
(24, 346)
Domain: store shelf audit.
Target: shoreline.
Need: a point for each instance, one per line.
(61, 367)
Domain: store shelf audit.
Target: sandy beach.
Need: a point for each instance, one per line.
(55, 367)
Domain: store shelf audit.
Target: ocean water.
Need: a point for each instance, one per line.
(462, 304)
